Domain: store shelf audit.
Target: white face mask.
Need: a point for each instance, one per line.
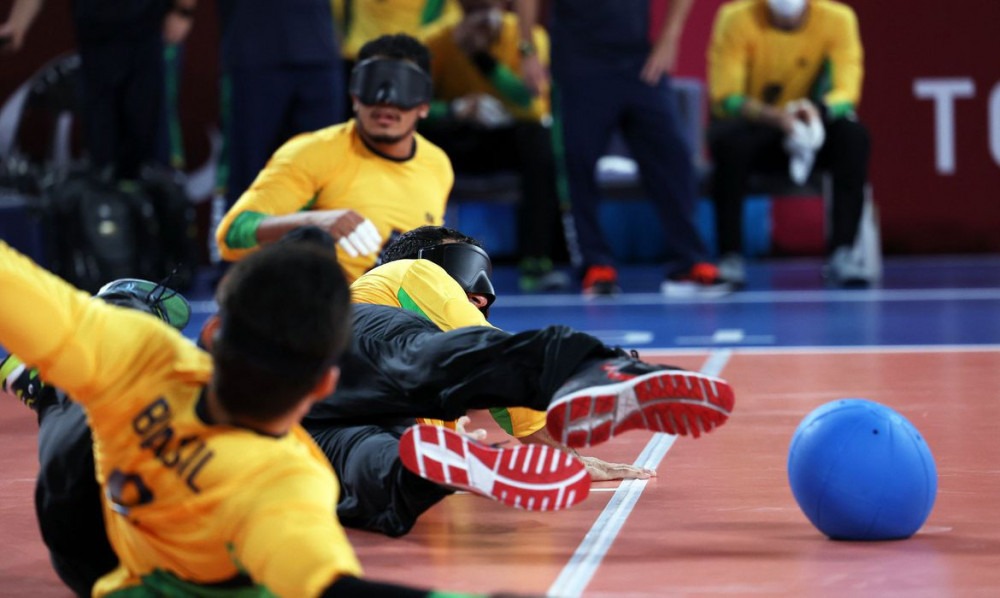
(787, 9)
(496, 18)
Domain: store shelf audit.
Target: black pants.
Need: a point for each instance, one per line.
(68, 497)
(740, 148)
(402, 366)
(377, 493)
(596, 93)
(524, 147)
(123, 96)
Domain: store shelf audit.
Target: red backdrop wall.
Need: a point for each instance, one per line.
(931, 100)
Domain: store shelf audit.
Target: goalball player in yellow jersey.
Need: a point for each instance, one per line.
(208, 478)
(361, 181)
(444, 276)
(67, 495)
(417, 273)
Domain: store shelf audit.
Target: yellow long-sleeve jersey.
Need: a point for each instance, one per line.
(455, 75)
(364, 20)
(750, 58)
(333, 169)
(187, 503)
(424, 287)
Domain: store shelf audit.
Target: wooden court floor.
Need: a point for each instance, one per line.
(720, 519)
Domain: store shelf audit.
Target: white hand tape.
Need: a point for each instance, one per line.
(345, 244)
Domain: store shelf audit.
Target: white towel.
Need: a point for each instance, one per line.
(803, 142)
(486, 110)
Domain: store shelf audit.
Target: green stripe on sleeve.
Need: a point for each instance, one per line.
(432, 11)
(309, 204)
(510, 86)
(732, 105)
(840, 109)
(242, 233)
(823, 83)
(407, 303)
(502, 417)
(439, 109)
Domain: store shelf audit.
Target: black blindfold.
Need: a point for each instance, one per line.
(397, 83)
(467, 264)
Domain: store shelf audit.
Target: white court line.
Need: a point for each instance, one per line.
(716, 361)
(204, 307)
(848, 349)
(728, 335)
(582, 566)
(764, 339)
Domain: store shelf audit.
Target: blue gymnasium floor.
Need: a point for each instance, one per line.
(939, 301)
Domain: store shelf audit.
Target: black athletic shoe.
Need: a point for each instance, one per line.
(614, 395)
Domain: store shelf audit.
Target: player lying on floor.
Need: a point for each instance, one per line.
(403, 366)
(208, 478)
(444, 276)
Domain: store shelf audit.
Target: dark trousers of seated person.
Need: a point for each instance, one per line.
(524, 147)
(740, 148)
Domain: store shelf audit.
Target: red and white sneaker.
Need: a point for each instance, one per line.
(615, 395)
(533, 477)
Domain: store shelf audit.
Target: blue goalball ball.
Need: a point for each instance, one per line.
(860, 471)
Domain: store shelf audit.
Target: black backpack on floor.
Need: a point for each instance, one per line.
(99, 231)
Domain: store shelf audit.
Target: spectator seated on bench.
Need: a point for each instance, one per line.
(770, 115)
(486, 120)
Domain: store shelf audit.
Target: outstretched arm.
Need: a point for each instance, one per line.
(79, 344)
(599, 470)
